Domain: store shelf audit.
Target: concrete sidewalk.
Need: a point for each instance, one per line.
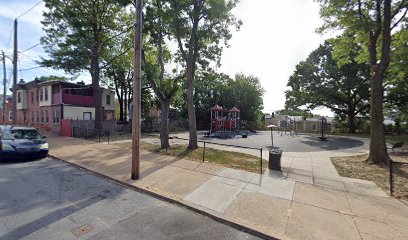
(310, 201)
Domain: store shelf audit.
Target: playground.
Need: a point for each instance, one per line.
(287, 143)
(228, 128)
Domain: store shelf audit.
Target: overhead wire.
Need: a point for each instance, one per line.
(35, 5)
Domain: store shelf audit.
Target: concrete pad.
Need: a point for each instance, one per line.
(236, 174)
(186, 164)
(379, 209)
(159, 175)
(276, 174)
(321, 197)
(261, 212)
(209, 168)
(329, 183)
(308, 222)
(328, 175)
(371, 230)
(301, 172)
(277, 187)
(364, 189)
(182, 184)
(214, 195)
(301, 178)
(230, 181)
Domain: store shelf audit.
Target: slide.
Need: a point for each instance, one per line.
(247, 127)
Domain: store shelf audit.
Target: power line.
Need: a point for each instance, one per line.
(30, 9)
(26, 69)
(35, 45)
(25, 55)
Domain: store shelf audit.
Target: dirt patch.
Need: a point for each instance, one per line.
(358, 167)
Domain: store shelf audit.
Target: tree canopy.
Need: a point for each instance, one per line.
(320, 81)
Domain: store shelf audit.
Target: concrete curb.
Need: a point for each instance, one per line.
(173, 201)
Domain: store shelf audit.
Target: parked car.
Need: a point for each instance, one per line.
(22, 143)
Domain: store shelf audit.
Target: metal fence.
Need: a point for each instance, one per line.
(398, 177)
(99, 135)
(229, 148)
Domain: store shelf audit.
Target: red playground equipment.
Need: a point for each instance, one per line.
(226, 126)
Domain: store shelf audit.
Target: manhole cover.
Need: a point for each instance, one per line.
(82, 230)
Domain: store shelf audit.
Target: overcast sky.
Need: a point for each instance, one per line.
(274, 37)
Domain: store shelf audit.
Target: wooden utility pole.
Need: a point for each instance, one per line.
(4, 87)
(136, 115)
(14, 113)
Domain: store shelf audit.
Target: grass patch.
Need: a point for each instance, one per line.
(358, 167)
(229, 159)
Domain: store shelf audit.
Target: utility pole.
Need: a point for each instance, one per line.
(137, 93)
(4, 87)
(14, 113)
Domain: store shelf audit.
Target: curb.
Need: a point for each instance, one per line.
(173, 201)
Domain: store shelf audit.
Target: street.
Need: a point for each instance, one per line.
(49, 199)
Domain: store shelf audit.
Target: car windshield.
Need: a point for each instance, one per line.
(14, 134)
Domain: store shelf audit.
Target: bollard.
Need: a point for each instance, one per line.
(261, 162)
(204, 152)
(391, 180)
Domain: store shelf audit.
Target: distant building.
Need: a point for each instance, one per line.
(298, 123)
(8, 113)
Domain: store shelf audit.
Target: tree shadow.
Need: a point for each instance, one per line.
(332, 143)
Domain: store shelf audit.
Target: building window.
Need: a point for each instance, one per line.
(25, 117)
(87, 116)
(32, 117)
(18, 97)
(46, 116)
(46, 94)
(56, 117)
(10, 116)
(41, 94)
(108, 98)
(38, 116)
(32, 97)
(42, 116)
(36, 96)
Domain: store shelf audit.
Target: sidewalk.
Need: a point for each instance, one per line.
(310, 201)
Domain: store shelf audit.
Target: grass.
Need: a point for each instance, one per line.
(229, 159)
(358, 167)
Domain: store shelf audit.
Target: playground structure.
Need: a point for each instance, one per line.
(227, 126)
(289, 125)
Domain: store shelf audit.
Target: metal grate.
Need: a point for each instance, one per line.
(82, 230)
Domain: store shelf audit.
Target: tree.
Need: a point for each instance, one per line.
(76, 32)
(198, 27)
(372, 22)
(52, 78)
(321, 81)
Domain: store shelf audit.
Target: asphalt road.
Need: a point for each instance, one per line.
(48, 199)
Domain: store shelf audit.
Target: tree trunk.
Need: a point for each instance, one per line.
(164, 126)
(192, 144)
(378, 150)
(351, 122)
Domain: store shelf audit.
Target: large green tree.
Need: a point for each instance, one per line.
(320, 81)
(200, 28)
(372, 22)
(77, 33)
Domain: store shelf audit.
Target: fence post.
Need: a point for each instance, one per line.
(391, 180)
(204, 152)
(261, 163)
(108, 136)
(99, 134)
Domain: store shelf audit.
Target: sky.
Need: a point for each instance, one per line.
(275, 36)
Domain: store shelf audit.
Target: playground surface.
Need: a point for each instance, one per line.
(290, 143)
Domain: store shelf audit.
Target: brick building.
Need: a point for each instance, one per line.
(9, 105)
(43, 104)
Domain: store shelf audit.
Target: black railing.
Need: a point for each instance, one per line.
(398, 175)
(226, 145)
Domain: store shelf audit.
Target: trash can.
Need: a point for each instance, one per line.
(275, 159)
